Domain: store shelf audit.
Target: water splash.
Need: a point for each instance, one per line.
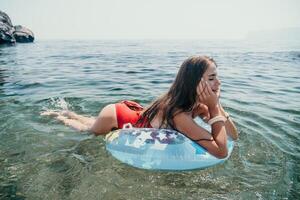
(57, 104)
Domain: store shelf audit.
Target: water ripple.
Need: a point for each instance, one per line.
(38, 155)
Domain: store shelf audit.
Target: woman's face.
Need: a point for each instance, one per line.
(211, 76)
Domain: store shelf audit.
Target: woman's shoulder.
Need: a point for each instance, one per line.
(185, 123)
(181, 117)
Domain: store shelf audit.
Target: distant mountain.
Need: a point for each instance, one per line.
(284, 34)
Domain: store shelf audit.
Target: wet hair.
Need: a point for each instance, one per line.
(182, 95)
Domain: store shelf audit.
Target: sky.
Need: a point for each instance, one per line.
(151, 19)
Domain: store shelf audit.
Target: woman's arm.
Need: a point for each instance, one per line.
(215, 143)
(229, 125)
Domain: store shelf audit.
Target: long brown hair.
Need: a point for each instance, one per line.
(182, 94)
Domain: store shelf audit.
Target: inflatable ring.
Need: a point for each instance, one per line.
(160, 149)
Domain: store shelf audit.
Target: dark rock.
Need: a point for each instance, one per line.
(23, 34)
(10, 34)
(6, 29)
(5, 18)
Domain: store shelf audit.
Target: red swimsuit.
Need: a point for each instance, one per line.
(128, 112)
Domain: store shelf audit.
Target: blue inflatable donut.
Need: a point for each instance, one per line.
(160, 149)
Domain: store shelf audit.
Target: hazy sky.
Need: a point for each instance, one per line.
(139, 19)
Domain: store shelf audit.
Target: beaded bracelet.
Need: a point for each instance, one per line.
(218, 118)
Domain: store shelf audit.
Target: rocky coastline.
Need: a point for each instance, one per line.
(10, 34)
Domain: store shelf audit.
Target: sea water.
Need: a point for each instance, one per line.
(40, 158)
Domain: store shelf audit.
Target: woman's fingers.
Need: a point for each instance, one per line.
(203, 91)
(206, 117)
(200, 91)
(202, 97)
(209, 90)
(201, 87)
(207, 87)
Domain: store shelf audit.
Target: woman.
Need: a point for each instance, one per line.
(195, 92)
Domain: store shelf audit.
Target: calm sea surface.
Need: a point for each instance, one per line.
(42, 159)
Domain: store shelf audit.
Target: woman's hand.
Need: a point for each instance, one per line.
(202, 111)
(207, 96)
